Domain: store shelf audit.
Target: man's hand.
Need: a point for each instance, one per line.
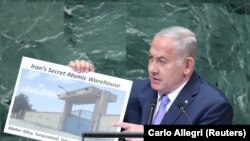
(129, 127)
(81, 66)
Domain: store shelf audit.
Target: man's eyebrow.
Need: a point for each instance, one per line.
(161, 57)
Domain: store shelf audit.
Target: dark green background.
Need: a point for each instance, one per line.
(116, 36)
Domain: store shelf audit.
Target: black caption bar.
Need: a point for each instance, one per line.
(199, 132)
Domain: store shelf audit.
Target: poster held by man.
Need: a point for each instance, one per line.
(52, 102)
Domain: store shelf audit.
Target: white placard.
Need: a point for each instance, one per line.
(52, 102)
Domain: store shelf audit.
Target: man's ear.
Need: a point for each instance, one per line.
(188, 65)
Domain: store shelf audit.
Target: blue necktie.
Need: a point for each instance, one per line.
(162, 110)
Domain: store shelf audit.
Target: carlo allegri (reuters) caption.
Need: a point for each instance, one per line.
(197, 131)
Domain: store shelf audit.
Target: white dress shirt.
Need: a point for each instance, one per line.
(172, 96)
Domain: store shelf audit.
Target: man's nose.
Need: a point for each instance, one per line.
(153, 67)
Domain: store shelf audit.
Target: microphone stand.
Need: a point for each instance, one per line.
(183, 111)
(151, 113)
(112, 135)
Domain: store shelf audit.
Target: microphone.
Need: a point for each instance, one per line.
(152, 108)
(113, 134)
(181, 107)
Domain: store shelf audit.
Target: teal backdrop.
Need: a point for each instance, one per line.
(116, 36)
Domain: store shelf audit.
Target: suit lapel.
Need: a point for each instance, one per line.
(147, 101)
(186, 96)
(174, 111)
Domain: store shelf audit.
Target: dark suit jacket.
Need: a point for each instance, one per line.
(206, 104)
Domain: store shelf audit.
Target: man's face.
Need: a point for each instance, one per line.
(166, 71)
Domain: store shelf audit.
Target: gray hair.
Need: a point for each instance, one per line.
(185, 40)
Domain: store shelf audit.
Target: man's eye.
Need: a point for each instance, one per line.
(163, 61)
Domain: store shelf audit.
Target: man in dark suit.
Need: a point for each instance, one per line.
(190, 99)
